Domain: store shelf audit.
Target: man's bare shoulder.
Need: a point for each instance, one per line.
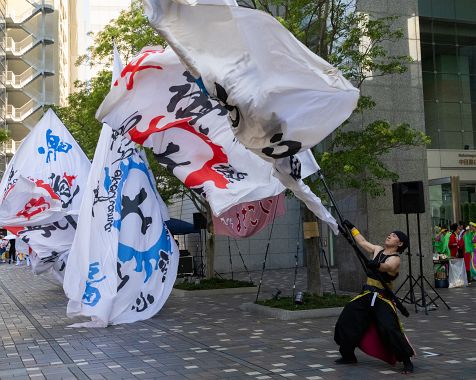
(377, 249)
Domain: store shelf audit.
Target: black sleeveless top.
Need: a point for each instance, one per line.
(381, 258)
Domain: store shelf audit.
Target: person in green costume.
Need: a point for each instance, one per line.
(437, 240)
(472, 226)
(468, 250)
(441, 242)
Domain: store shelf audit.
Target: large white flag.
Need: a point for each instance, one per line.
(55, 164)
(157, 103)
(123, 262)
(50, 154)
(282, 98)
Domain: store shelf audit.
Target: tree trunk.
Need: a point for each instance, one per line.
(210, 245)
(210, 272)
(311, 247)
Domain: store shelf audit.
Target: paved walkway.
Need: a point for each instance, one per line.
(210, 338)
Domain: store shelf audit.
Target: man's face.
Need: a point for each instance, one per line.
(392, 240)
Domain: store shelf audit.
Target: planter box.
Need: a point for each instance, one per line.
(213, 292)
(289, 315)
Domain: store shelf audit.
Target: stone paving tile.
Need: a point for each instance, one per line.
(210, 338)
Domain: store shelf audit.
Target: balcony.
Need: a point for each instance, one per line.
(18, 115)
(19, 18)
(10, 147)
(19, 81)
(19, 48)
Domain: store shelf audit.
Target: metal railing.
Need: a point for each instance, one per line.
(21, 80)
(20, 17)
(11, 146)
(20, 114)
(19, 48)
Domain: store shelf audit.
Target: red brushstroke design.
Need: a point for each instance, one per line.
(135, 66)
(206, 172)
(34, 207)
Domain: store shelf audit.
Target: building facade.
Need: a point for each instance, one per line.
(31, 65)
(448, 49)
(3, 71)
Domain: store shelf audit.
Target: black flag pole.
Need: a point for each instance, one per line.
(362, 257)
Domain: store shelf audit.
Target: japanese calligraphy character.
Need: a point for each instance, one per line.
(54, 145)
(291, 147)
(124, 279)
(144, 302)
(34, 207)
(196, 103)
(131, 206)
(91, 294)
(134, 67)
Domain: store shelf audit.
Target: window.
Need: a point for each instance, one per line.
(448, 51)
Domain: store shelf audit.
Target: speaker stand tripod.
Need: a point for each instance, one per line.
(409, 297)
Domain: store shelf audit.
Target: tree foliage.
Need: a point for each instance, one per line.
(354, 157)
(79, 115)
(4, 135)
(130, 32)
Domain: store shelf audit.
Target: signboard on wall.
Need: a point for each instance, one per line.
(458, 159)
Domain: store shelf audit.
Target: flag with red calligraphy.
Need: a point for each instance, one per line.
(249, 218)
(43, 213)
(50, 154)
(156, 103)
(30, 203)
(281, 98)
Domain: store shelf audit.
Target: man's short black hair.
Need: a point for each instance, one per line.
(403, 239)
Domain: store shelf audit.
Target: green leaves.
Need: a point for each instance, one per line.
(130, 32)
(4, 135)
(354, 159)
(79, 115)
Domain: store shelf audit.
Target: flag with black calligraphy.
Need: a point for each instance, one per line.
(43, 213)
(123, 262)
(156, 103)
(281, 97)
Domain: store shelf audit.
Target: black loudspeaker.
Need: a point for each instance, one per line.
(184, 252)
(199, 221)
(185, 265)
(408, 197)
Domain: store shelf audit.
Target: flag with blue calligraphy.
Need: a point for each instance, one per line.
(42, 211)
(123, 262)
